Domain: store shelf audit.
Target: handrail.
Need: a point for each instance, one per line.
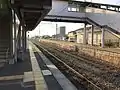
(100, 49)
(101, 26)
(7, 54)
(96, 5)
(87, 46)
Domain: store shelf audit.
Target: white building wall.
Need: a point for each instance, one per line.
(96, 39)
(79, 37)
(89, 38)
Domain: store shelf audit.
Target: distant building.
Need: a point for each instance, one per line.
(110, 37)
(72, 36)
(61, 33)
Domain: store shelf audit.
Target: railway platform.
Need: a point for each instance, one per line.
(36, 72)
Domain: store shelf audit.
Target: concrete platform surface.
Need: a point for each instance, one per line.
(36, 72)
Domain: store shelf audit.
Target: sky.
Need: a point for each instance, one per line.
(103, 1)
(49, 28)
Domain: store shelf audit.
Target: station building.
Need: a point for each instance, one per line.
(61, 33)
(110, 37)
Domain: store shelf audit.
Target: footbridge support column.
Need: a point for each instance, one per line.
(85, 35)
(92, 35)
(103, 38)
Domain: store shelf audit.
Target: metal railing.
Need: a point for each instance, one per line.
(111, 55)
(106, 54)
(7, 55)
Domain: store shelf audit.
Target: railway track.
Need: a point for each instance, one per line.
(90, 72)
(84, 80)
(97, 63)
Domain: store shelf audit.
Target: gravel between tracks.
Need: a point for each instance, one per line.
(104, 76)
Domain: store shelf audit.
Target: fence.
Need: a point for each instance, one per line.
(110, 56)
(106, 54)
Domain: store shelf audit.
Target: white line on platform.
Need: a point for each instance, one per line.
(62, 80)
(37, 73)
(46, 72)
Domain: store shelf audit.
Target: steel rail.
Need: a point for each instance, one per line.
(80, 75)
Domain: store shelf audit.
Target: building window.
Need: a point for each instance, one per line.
(76, 8)
(104, 7)
(72, 9)
(69, 9)
(111, 8)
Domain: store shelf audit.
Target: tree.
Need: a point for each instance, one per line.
(66, 37)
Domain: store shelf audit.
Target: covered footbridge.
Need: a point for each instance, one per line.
(19, 16)
(104, 16)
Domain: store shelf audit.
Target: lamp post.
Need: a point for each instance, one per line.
(56, 30)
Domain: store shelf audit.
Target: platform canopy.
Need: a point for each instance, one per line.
(31, 12)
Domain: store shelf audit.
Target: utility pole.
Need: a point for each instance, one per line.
(39, 33)
(56, 30)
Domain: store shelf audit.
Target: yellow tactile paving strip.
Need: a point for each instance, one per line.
(15, 77)
(37, 74)
(28, 77)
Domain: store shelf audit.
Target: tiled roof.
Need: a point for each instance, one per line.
(88, 28)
